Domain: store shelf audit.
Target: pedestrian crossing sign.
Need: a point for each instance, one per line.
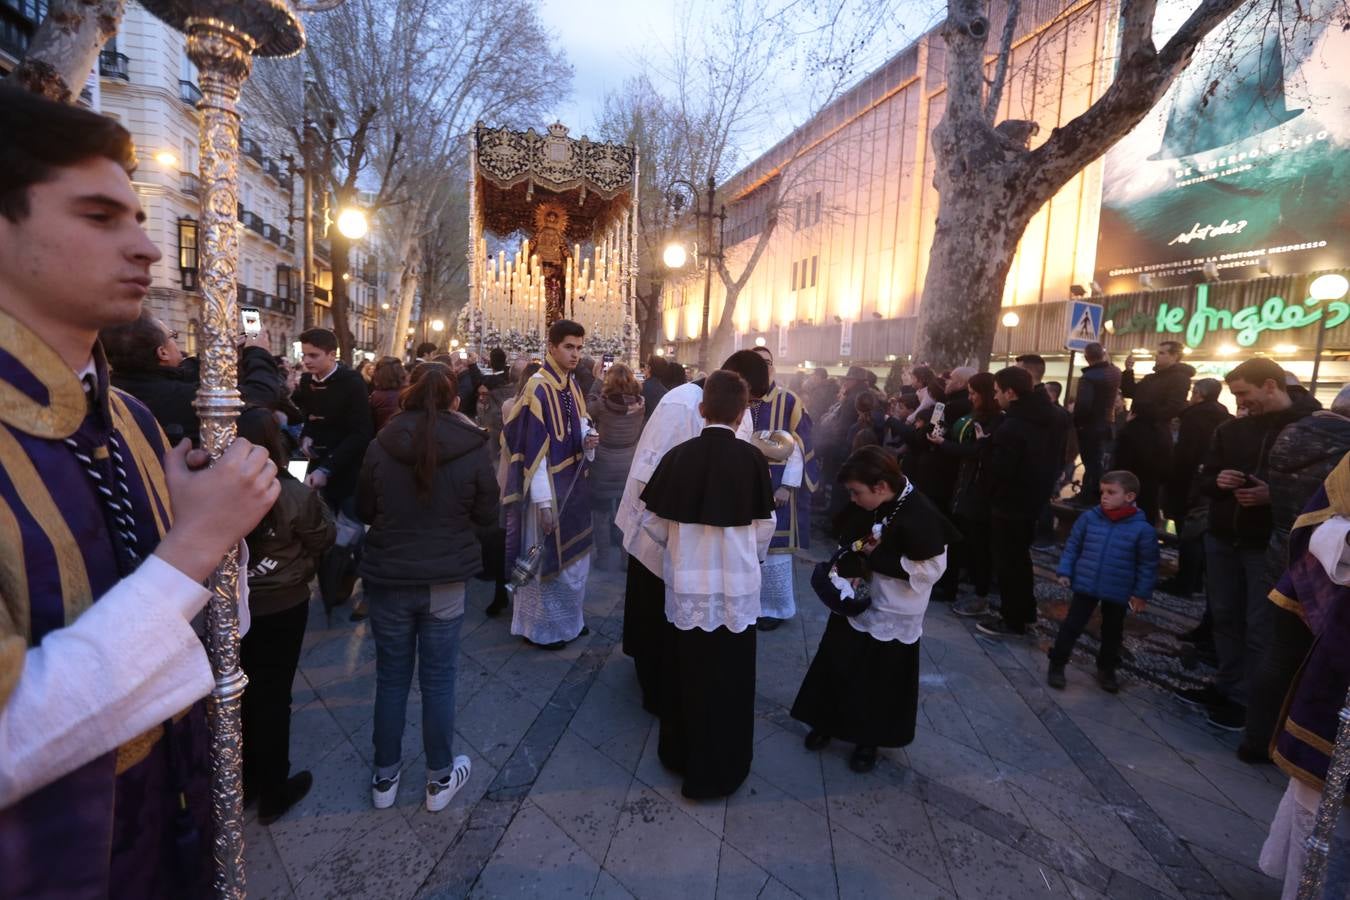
(1085, 324)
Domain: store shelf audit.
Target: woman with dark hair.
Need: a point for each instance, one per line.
(618, 415)
(386, 383)
(426, 486)
(283, 554)
(865, 430)
(970, 499)
(673, 375)
(929, 388)
(863, 684)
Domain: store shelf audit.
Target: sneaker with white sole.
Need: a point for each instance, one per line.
(440, 793)
(383, 791)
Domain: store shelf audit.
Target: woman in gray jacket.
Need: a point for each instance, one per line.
(426, 485)
(618, 416)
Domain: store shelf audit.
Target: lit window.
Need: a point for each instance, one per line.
(187, 252)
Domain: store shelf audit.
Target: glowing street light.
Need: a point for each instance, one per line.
(167, 158)
(660, 351)
(1329, 287)
(437, 325)
(760, 342)
(454, 342)
(675, 256)
(1010, 321)
(353, 224)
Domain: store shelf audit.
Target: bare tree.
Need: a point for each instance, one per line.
(402, 82)
(990, 178)
(66, 45)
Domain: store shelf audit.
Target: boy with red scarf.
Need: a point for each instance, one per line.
(1111, 559)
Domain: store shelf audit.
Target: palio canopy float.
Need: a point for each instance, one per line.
(571, 204)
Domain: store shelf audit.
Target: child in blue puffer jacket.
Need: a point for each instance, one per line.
(1111, 558)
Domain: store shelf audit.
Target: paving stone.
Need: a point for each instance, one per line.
(338, 657)
(966, 771)
(1153, 758)
(783, 836)
(607, 713)
(737, 876)
(865, 873)
(438, 830)
(388, 862)
(314, 734)
(582, 791)
(1197, 821)
(536, 859)
(1244, 882)
(983, 868)
(1032, 748)
(607, 887)
(495, 721)
(784, 762)
(263, 869)
(659, 852)
(711, 814)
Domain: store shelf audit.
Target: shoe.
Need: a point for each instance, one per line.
(816, 740)
(499, 601)
(971, 606)
(272, 808)
(1201, 697)
(555, 645)
(1108, 681)
(1229, 716)
(440, 793)
(1055, 677)
(383, 791)
(1254, 757)
(1000, 629)
(864, 759)
(1197, 635)
(767, 623)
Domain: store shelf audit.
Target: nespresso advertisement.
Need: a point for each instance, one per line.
(1245, 164)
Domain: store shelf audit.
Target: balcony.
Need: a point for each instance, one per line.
(287, 243)
(251, 148)
(253, 222)
(189, 184)
(112, 64)
(321, 295)
(189, 93)
(285, 181)
(273, 168)
(271, 233)
(371, 275)
(240, 211)
(322, 252)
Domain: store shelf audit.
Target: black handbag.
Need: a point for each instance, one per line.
(849, 564)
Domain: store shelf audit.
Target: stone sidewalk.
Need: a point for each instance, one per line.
(1010, 789)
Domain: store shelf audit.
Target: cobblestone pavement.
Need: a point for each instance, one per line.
(1010, 789)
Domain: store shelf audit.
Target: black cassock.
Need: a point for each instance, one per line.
(860, 689)
(707, 678)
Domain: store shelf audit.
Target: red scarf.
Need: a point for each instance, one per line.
(1116, 515)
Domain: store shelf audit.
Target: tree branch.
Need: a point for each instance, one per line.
(995, 97)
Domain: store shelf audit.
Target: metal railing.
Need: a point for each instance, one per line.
(287, 243)
(270, 232)
(253, 222)
(189, 93)
(112, 64)
(190, 184)
(251, 148)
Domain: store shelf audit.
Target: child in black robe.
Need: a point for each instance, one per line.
(710, 505)
(863, 684)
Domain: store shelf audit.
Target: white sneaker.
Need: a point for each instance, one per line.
(383, 791)
(440, 793)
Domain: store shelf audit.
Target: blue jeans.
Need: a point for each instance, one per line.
(1237, 585)
(415, 625)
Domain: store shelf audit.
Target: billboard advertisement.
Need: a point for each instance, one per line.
(1245, 164)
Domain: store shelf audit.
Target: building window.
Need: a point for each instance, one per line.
(814, 260)
(283, 282)
(194, 336)
(794, 275)
(187, 252)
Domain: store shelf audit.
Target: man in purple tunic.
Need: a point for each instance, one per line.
(547, 499)
(103, 769)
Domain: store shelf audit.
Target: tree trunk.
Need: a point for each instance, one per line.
(407, 292)
(65, 47)
(341, 268)
(649, 320)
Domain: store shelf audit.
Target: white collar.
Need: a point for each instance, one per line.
(708, 425)
(88, 369)
(328, 376)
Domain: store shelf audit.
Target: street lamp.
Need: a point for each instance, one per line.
(437, 325)
(1010, 321)
(675, 256)
(352, 223)
(1324, 288)
(676, 194)
(167, 158)
(454, 343)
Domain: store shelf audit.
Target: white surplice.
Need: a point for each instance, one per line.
(896, 612)
(675, 420)
(712, 574)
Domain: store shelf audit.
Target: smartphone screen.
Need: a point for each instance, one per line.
(939, 409)
(252, 320)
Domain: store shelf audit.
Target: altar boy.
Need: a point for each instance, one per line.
(710, 504)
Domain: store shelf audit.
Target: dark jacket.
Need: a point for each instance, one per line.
(1021, 465)
(1195, 430)
(169, 391)
(932, 471)
(652, 392)
(414, 540)
(284, 550)
(383, 405)
(338, 420)
(1300, 460)
(1096, 398)
(1061, 423)
(619, 421)
(970, 499)
(1112, 561)
(469, 380)
(1244, 444)
(1158, 396)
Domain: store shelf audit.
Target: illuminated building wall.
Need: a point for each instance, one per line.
(852, 239)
